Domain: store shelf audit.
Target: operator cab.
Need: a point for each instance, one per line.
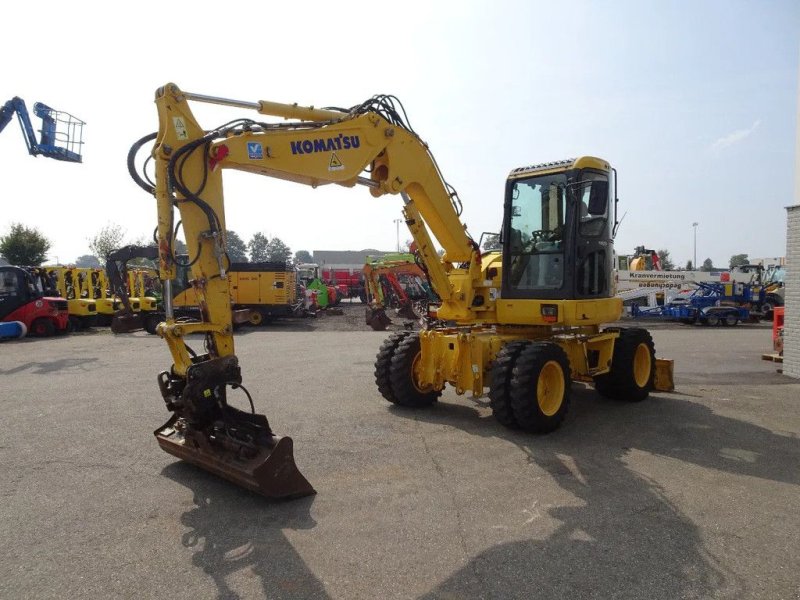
(17, 288)
(559, 221)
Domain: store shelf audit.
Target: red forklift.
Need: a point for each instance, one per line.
(27, 297)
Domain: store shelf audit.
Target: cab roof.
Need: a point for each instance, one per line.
(582, 162)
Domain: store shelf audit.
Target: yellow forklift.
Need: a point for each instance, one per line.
(82, 311)
(93, 285)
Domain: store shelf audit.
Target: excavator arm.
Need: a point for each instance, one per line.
(315, 148)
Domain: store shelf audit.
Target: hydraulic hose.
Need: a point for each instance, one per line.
(142, 183)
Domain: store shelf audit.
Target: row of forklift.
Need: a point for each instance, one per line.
(54, 300)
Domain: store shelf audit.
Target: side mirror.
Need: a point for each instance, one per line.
(598, 198)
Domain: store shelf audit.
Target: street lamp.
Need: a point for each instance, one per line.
(694, 264)
(397, 224)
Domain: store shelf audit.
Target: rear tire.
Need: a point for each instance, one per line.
(383, 363)
(405, 389)
(540, 387)
(712, 319)
(633, 367)
(730, 320)
(500, 387)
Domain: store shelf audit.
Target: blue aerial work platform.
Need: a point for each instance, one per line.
(61, 133)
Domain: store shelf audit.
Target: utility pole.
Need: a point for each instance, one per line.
(397, 224)
(694, 263)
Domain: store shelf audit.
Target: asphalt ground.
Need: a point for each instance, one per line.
(692, 494)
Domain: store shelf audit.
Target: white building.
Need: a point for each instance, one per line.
(791, 328)
(791, 319)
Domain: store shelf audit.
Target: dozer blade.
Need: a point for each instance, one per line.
(665, 380)
(125, 323)
(377, 318)
(267, 470)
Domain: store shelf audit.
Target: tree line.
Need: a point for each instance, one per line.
(24, 245)
(737, 260)
(28, 246)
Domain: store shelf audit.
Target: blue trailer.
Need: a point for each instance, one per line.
(708, 304)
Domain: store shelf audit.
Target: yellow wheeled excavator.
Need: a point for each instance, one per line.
(522, 323)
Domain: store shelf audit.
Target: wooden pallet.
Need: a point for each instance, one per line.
(774, 357)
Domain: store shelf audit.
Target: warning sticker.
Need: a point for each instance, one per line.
(335, 164)
(180, 128)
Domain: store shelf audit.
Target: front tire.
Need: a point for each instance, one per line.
(633, 367)
(403, 375)
(540, 387)
(43, 328)
(500, 387)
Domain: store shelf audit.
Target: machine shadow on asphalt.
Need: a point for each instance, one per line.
(624, 537)
(233, 530)
(53, 366)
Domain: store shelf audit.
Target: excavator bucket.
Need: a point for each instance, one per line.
(377, 318)
(267, 469)
(406, 311)
(123, 322)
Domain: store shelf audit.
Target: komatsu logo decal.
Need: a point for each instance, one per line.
(331, 144)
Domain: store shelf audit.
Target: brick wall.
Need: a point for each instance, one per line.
(791, 327)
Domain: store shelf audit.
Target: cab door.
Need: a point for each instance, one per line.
(592, 226)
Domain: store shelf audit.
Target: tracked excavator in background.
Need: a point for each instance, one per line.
(523, 323)
(384, 289)
(126, 319)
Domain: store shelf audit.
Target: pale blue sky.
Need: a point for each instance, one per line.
(693, 102)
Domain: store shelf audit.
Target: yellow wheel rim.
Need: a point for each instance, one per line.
(642, 365)
(256, 318)
(550, 388)
(416, 371)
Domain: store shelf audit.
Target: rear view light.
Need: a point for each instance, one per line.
(550, 313)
